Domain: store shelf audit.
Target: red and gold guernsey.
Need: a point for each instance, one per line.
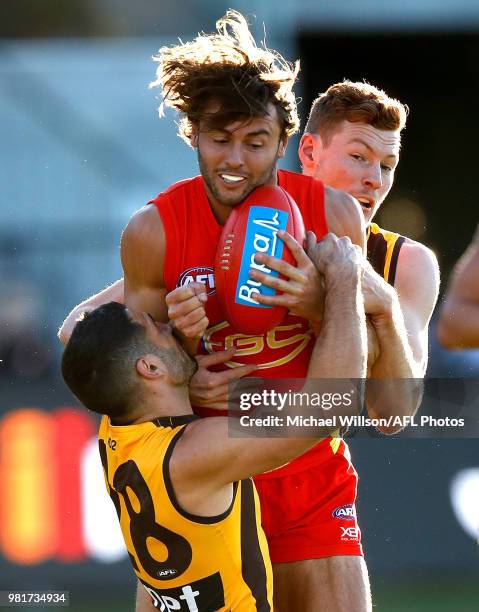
(192, 235)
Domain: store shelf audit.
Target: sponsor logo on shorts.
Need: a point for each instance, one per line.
(200, 274)
(349, 533)
(346, 513)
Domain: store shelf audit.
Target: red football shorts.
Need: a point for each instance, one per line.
(308, 506)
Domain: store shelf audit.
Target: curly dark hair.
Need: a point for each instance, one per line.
(228, 69)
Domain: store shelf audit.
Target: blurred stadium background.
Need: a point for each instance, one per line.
(81, 148)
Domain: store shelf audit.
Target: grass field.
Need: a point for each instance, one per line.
(440, 595)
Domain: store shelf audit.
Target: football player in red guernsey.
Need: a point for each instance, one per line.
(238, 111)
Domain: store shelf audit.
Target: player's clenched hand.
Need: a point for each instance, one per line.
(186, 309)
(210, 389)
(377, 293)
(338, 259)
(303, 291)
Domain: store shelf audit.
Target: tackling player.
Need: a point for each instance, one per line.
(187, 508)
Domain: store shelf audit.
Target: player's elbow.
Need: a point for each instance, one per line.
(62, 335)
(66, 329)
(68, 325)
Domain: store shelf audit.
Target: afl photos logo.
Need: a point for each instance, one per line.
(200, 274)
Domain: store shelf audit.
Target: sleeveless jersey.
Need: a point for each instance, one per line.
(192, 235)
(186, 562)
(383, 251)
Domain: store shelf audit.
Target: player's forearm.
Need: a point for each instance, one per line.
(394, 387)
(341, 347)
(113, 293)
(395, 358)
(459, 325)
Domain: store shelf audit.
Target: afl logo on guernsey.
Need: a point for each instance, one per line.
(200, 274)
(346, 513)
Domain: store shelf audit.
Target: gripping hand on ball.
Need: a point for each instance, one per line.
(186, 310)
(337, 259)
(302, 289)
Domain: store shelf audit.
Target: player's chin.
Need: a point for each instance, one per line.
(234, 196)
(234, 201)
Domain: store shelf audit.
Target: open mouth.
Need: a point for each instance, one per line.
(366, 203)
(232, 179)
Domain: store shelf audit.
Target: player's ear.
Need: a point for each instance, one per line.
(150, 367)
(308, 150)
(283, 143)
(194, 136)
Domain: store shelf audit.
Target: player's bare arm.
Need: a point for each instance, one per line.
(344, 216)
(459, 320)
(340, 352)
(211, 389)
(143, 600)
(400, 318)
(143, 246)
(113, 293)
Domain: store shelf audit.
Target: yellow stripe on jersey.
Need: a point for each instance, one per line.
(383, 249)
(335, 442)
(186, 562)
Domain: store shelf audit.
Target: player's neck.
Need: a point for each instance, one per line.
(169, 401)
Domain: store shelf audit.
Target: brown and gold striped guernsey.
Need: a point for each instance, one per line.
(186, 562)
(383, 251)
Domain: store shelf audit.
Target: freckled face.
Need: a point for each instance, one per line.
(358, 159)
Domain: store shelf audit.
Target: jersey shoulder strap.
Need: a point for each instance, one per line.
(383, 249)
